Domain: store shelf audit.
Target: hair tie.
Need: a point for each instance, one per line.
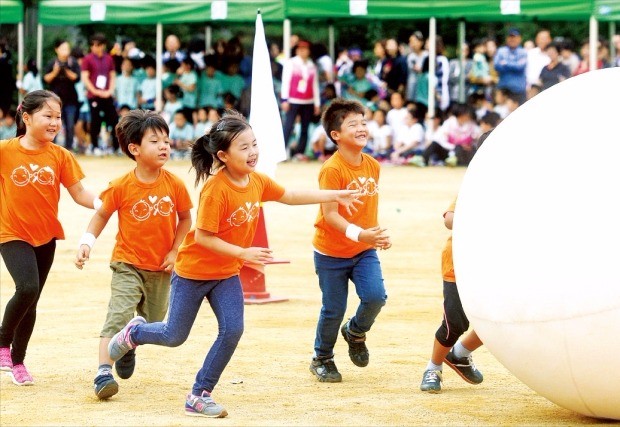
(220, 126)
(19, 108)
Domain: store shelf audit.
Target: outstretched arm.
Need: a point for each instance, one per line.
(253, 255)
(81, 196)
(95, 227)
(346, 198)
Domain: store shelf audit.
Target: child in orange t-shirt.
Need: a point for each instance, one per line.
(345, 243)
(149, 199)
(212, 254)
(32, 168)
(457, 355)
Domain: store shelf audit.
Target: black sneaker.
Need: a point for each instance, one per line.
(464, 366)
(105, 385)
(325, 370)
(431, 381)
(126, 364)
(358, 352)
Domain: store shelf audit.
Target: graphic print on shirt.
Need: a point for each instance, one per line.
(367, 186)
(21, 175)
(244, 214)
(143, 209)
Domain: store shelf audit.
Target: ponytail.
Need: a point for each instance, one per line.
(205, 149)
(202, 159)
(19, 122)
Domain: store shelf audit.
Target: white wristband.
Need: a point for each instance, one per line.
(87, 239)
(353, 232)
(97, 203)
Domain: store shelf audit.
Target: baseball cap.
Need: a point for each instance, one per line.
(514, 32)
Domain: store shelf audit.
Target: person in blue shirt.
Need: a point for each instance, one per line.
(510, 63)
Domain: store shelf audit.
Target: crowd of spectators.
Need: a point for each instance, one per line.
(199, 82)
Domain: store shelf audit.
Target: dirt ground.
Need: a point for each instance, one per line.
(268, 382)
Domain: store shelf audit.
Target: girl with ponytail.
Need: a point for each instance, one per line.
(211, 255)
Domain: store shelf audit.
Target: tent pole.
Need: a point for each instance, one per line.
(332, 42)
(286, 35)
(432, 58)
(40, 46)
(593, 42)
(612, 46)
(20, 55)
(461, 37)
(208, 36)
(159, 71)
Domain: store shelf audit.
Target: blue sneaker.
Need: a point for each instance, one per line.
(126, 365)
(121, 342)
(431, 381)
(464, 366)
(105, 384)
(203, 406)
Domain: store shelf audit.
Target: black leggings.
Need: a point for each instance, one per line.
(455, 322)
(29, 267)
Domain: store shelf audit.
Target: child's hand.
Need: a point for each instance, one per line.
(82, 256)
(348, 199)
(169, 260)
(376, 237)
(255, 255)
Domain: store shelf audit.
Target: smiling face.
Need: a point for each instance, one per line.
(154, 149)
(353, 131)
(241, 157)
(44, 125)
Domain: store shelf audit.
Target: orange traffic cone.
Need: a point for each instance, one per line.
(252, 276)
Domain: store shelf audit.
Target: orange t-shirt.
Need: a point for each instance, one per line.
(337, 174)
(447, 267)
(147, 217)
(230, 212)
(30, 181)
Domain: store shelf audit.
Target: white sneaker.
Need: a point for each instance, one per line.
(97, 152)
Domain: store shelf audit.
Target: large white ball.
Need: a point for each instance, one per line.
(536, 243)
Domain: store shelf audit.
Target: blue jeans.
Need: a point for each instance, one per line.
(186, 297)
(364, 270)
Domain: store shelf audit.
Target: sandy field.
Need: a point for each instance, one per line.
(268, 382)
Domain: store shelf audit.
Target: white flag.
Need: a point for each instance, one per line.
(264, 113)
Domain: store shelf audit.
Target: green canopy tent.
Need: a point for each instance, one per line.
(154, 12)
(12, 12)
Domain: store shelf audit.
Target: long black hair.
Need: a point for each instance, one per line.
(204, 149)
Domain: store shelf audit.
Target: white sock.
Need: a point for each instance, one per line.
(460, 351)
(432, 367)
(103, 368)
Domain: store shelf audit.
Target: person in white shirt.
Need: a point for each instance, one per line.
(537, 59)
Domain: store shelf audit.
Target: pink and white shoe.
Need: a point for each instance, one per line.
(6, 362)
(21, 375)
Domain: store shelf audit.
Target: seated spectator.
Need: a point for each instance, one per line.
(380, 136)
(409, 141)
(148, 88)
(8, 127)
(210, 89)
(357, 84)
(489, 122)
(397, 112)
(437, 149)
(322, 146)
(461, 132)
(181, 135)
(173, 103)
